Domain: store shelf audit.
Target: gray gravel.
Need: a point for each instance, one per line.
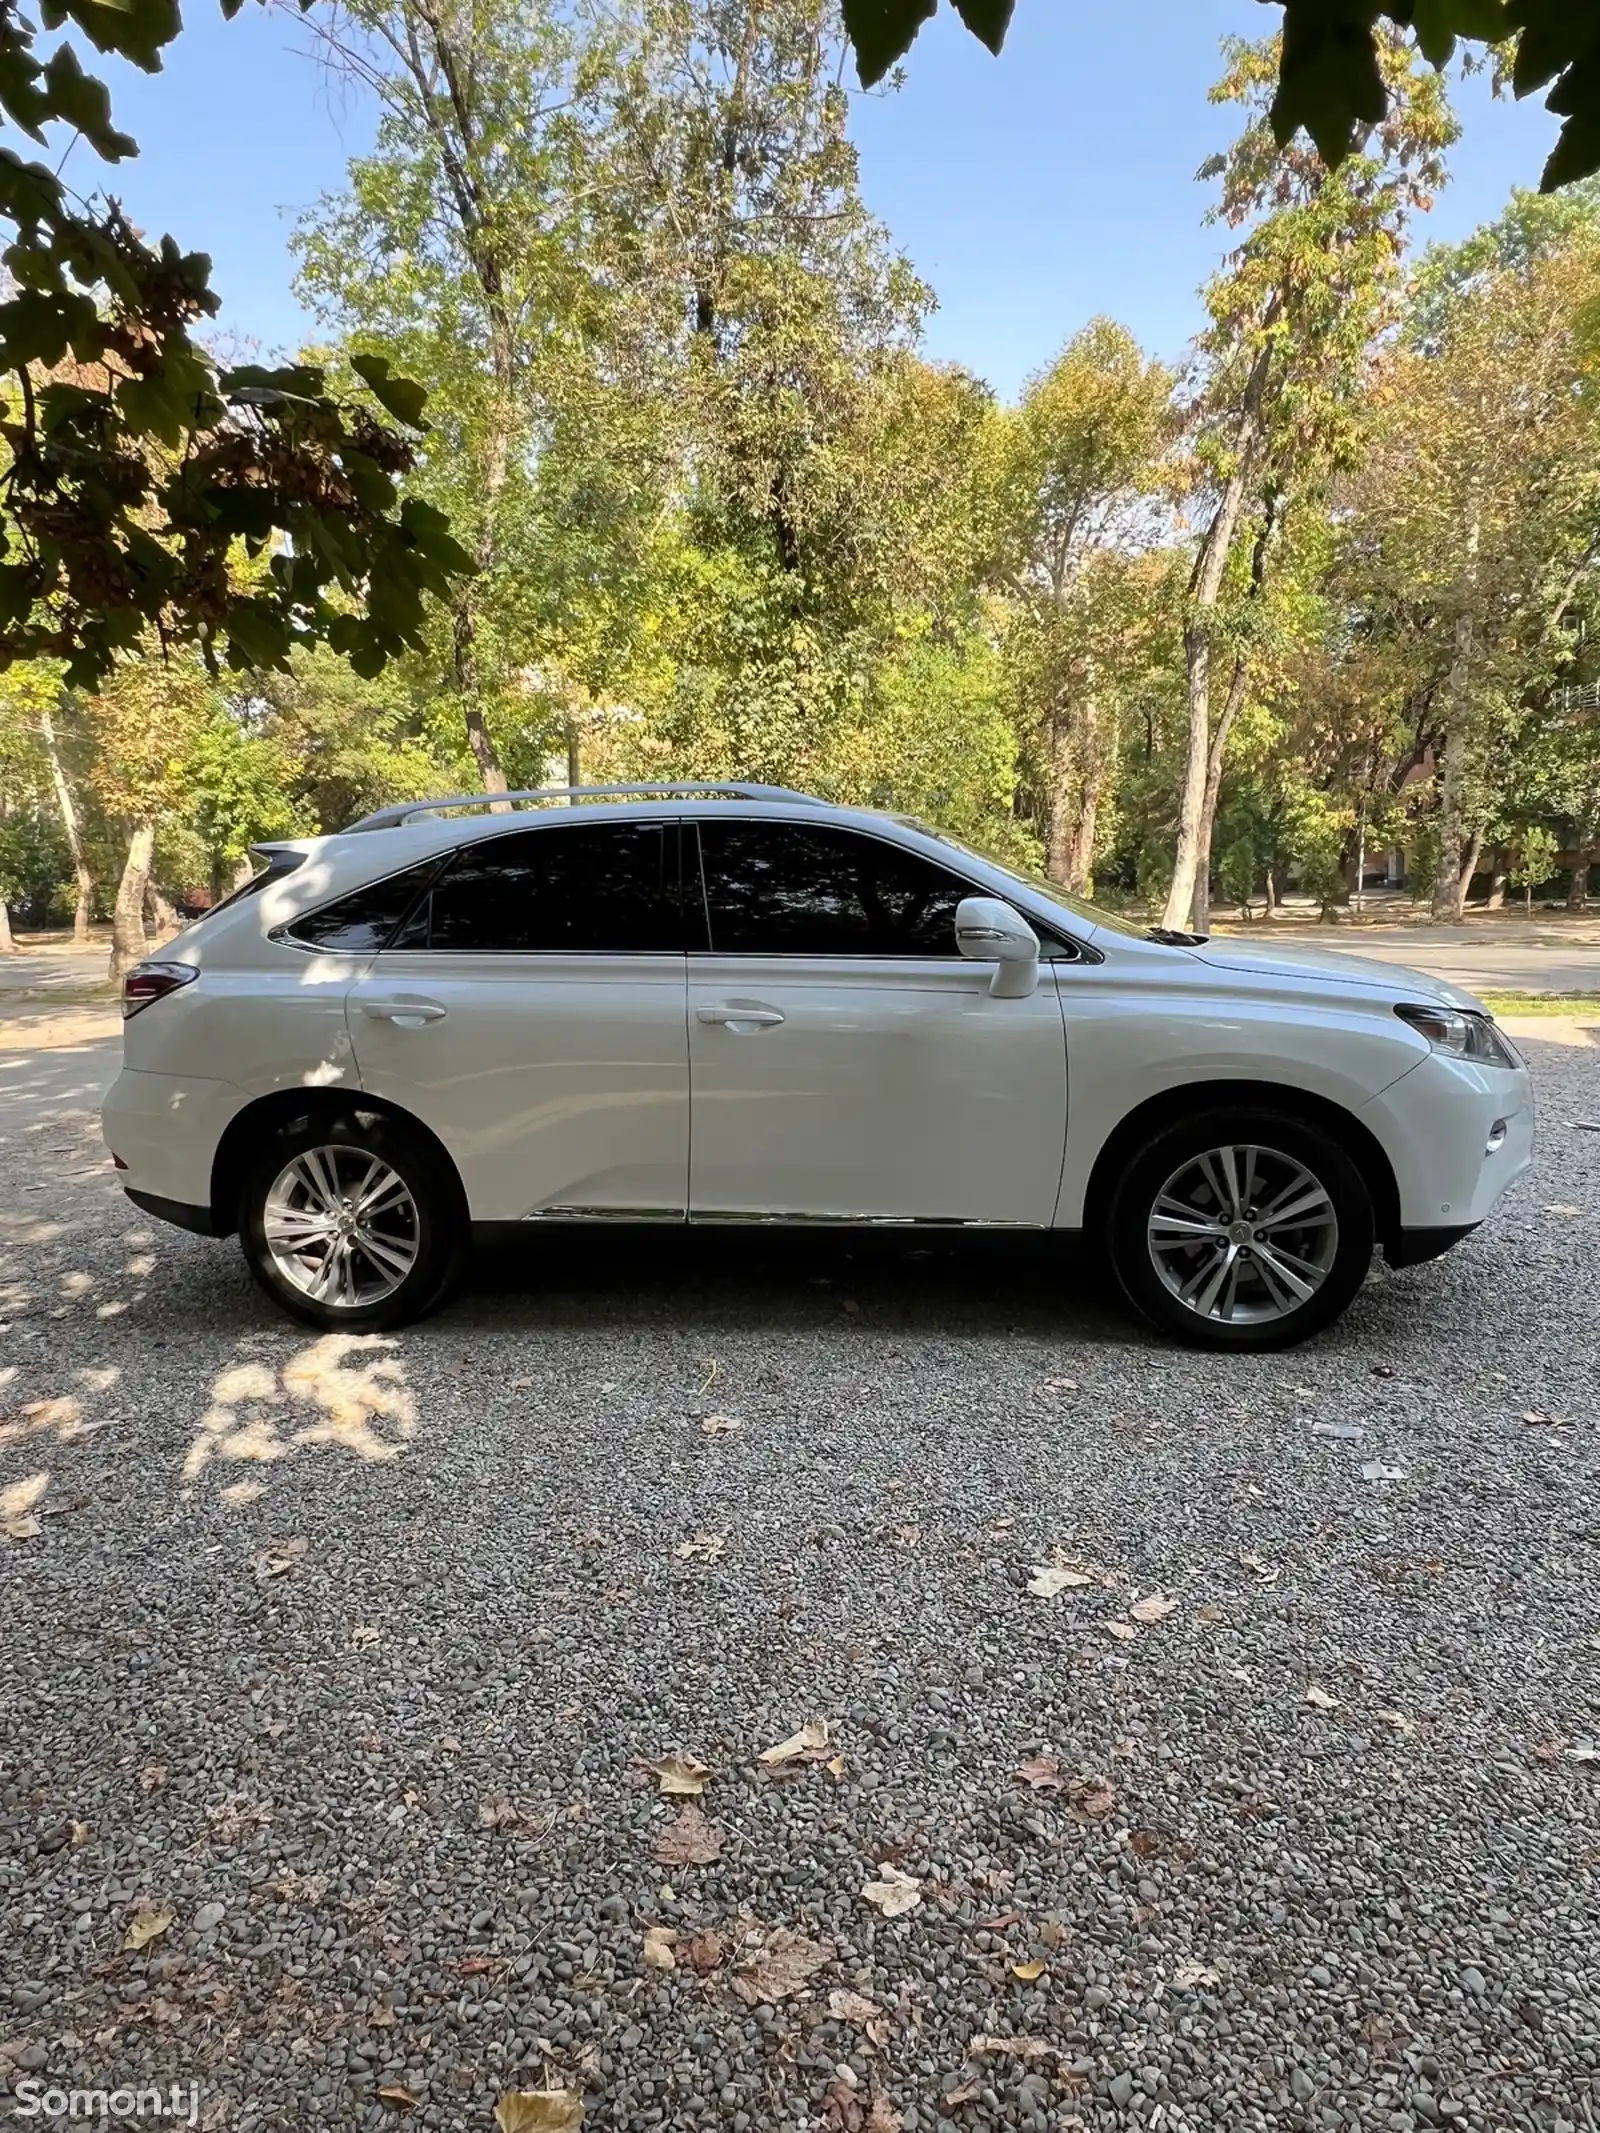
(1253, 1910)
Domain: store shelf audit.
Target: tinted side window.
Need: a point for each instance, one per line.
(596, 889)
(784, 888)
(362, 921)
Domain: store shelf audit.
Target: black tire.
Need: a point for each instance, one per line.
(1279, 1142)
(430, 1222)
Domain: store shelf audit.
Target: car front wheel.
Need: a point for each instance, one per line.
(1242, 1229)
(351, 1222)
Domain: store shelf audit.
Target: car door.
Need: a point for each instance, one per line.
(846, 1063)
(531, 1011)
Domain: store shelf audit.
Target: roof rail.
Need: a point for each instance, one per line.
(411, 810)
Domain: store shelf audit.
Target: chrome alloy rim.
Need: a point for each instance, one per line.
(342, 1227)
(1243, 1235)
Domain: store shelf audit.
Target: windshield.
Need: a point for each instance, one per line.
(1080, 907)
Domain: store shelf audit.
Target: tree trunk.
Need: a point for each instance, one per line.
(574, 753)
(1469, 864)
(163, 913)
(73, 828)
(1061, 841)
(1578, 887)
(1208, 806)
(1205, 590)
(1497, 884)
(1448, 893)
(244, 869)
(8, 942)
(128, 942)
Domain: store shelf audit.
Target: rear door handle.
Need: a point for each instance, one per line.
(404, 1014)
(731, 1015)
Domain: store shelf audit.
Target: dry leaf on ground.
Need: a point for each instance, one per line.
(1399, 1721)
(1563, 1207)
(774, 1966)
(398, 2098)
(1042, 1773)
(1190, 1974)
(1049, 1580)
(883, 2117)
(703, 1954)
(25, 1527)
(810, 1744)
(659, 1943)
(1268, 1573)
(1209, 1614)
(1124, 1632)
(851, 2006)
(1009, 2048)
(1154, 1607)
(702, 1548)
(363, 1636)
(1320, 1699)
(720, 1425)
(1091, 1797)
(680, 1776)
(277, 1558)
(692, 1840)
(1027, 1972)
(893, 1893)
(152, 1777)
(148, 1926)
(539, 2111)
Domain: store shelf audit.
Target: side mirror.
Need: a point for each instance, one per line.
(989, 931)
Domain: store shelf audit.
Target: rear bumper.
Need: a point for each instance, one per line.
(165, 1130)
(178, 1212)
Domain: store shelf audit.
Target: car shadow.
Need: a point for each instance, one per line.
(816, 1279)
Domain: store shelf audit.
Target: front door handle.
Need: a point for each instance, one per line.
(404, 1014)
(733, 1015)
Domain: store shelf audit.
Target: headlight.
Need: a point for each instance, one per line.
(1459, 1032)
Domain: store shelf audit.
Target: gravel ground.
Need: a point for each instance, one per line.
(346, 1659)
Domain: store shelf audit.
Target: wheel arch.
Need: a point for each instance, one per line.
(1172, 1106)
(267, 1114)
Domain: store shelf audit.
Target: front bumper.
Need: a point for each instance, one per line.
(1457, 1134)
(164, 1131)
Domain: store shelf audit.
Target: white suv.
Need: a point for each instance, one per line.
(737, 1004)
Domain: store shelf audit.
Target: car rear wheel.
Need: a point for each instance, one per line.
(1242, 1229)
(350, 1221)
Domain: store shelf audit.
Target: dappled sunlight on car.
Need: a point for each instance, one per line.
(344, 1392)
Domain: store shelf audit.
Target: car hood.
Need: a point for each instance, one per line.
(1332, 966)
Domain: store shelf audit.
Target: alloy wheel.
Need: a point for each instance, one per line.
(1243, 1234)
(342, 1227)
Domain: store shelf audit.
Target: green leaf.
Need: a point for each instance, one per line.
(988, 20)
(883, 31)
(36, 327)
(137, 29)
(83, 102)
(1554, 34)
(401, 397)
(1328, 81)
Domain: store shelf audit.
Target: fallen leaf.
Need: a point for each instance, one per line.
(1092, 1797)
(1028, 1971)
(893, 1893)
(277, 1558)
(78, 1835)
(1124, 1632)
(659, 1943)
(539, 2111)
(361, 1638)
(691, 1840)
(401, 2099)
(836, 1766)
(1144, 1843)
(702, 1548)
(1268, 1573)
(810, 1743)
(777, 1965)
(1341, 1432)
(1050, 1580)
(703, 1954)
(851, 2006)
(1376, 1470)
(1321, 1699)
(906, 1536)
(24, 1528)
(1042, 1773)
(681, 1777)
(1152, 1608)
(1399, 1721)
(883, 2117)
(720, 1425)
(152, 1777)
(148, 1926)
(1009, 2047)
(1562, 1207)
(497, 1812)
(1189, 1974)
(1209, 1614)
(969, 2092)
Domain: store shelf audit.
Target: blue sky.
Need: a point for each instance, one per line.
(1032, 191)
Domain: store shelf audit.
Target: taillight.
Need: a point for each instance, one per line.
(153, 981)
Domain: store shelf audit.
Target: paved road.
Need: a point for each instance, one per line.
(1511, 955)
(333, 1667)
